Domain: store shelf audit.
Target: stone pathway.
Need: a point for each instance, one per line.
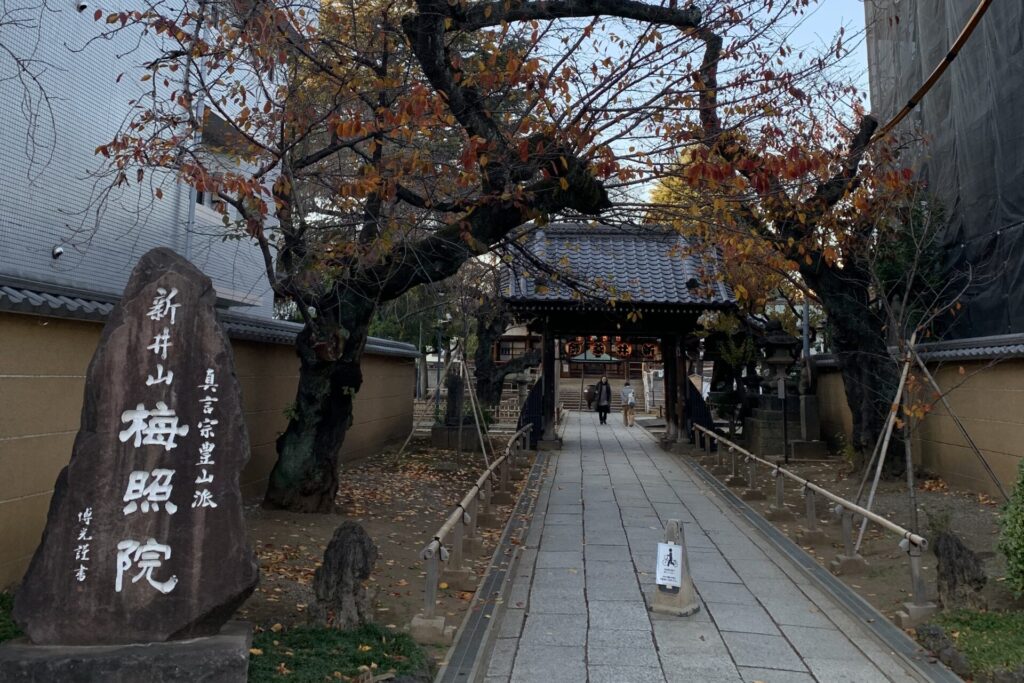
(577, 609)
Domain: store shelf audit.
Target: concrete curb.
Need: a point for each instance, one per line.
(464, 657)
(857, 607)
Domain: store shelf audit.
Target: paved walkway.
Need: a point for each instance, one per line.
(577, 609)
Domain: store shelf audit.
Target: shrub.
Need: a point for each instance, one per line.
(1011, 539)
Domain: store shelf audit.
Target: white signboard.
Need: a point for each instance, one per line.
(670, 559)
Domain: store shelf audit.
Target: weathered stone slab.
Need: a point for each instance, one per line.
(145, 539)
(222, 658)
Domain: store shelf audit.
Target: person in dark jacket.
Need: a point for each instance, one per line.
(603, 399)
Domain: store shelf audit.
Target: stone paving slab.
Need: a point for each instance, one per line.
(578, 605)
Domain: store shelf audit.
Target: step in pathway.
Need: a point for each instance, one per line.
(577, 609)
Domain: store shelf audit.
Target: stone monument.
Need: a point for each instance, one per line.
(145, 541)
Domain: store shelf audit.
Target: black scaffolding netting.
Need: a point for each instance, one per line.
(972, 121)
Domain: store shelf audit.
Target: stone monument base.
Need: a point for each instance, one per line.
(679, 602)
(223, 658)
(447, 437)
(913, 615)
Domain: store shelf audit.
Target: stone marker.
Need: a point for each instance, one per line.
(677, 596)
(145, 540)
(338, 582)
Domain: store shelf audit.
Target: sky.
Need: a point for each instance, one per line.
(823, 21)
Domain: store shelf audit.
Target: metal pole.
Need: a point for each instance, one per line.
(885, 441)
(785, 418)
(721, 465)
(807, 330)
(437, 389)
(477, 413)
(735, 464)
(420, 361)
(911, 490)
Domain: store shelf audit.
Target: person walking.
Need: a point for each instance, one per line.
(628, 397)
(603, 399)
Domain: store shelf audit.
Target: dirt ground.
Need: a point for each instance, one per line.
(401, 505)
(886, 584)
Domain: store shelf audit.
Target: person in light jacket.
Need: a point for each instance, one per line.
(603, 399)
(628, 404)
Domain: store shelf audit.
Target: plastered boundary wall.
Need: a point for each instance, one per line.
(989, 401)
(42, 379)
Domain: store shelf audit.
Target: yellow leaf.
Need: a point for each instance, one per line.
(564, 183)
(255, 651)
(443, 586)
(365, 648)
(276, 628)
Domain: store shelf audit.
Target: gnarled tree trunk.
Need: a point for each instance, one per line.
(869, 373)
(489, 375)
(305, 477)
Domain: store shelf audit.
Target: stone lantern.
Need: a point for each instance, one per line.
(780, 353)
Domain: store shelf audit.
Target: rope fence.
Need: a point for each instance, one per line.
(850, 560)
(459, 531)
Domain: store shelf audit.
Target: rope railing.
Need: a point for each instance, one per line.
(460, 526)
(850, 561)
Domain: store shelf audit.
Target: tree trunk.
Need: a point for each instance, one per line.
(869, 373)
(305, 477)
(492, 321)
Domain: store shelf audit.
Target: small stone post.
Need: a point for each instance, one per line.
(850, 561)
(487, 517)
(706, 440)
(778, 512)
(735, 479)
(920, 607)
(682, 601)
(426, 628)
(341, 600)
(460, 576)
(504, 494)
(472, 543)
(518, 472)
(752, 492)
(720, 466)
(810, 534)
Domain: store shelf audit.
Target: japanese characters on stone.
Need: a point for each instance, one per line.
(203, 497)
(149, 491)
(82, 548)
